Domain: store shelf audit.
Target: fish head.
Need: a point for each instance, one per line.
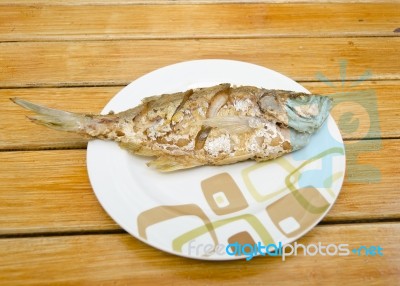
(307, 113)
(300, 111)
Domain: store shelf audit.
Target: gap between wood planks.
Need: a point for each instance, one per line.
(84, 145)
(175, 2)
(122, 231)
(123, 84)
(96, 38)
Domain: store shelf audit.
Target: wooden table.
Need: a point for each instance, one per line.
(75, 55)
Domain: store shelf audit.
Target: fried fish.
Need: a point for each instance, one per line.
(216, 125)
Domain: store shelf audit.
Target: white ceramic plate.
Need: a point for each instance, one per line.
(197, 213)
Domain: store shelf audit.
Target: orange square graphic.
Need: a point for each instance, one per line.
(223, 195)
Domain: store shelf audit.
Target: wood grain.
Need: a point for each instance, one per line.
(369, 198)
(88, 63)
(179, 2)
(73, 22)
(379, 98)
(120, 259)
(49, 191)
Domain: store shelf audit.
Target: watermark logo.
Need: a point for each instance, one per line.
(356, 113)
(368, 251)
(312, 249)
(249, 251)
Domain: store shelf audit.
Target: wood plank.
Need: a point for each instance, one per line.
(119, 62)
(121, 259)
(178, 2)
(366, 194)
(379, 99)
(73, 22)
(49, 191)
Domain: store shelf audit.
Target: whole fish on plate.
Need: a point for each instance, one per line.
(217, 125)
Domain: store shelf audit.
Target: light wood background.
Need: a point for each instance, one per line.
(75, 55)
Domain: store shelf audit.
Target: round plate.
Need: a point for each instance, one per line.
(197, 213)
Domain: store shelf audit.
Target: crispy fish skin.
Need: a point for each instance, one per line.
(216, 125)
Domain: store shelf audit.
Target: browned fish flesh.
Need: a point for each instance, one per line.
(216, 125)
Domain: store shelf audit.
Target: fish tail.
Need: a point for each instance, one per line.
(55, 119)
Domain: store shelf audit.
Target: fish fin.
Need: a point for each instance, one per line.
(137, 149)
(53, 118)
(233, 159)
(232, 124)
(150, 99)
(166, 163)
